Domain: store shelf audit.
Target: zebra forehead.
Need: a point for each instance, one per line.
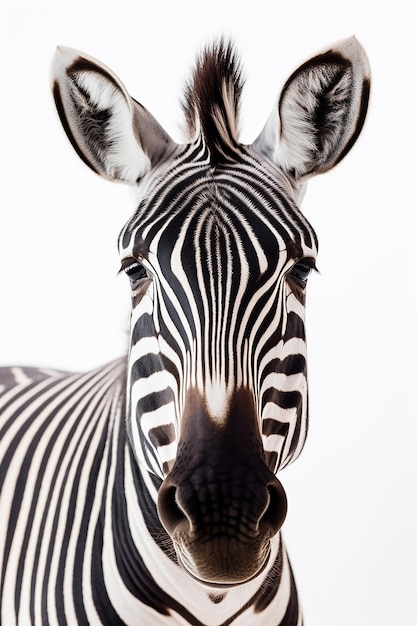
(241, 200)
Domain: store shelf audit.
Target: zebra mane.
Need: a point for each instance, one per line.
(212, 99)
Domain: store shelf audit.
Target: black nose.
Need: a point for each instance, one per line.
(245, 508)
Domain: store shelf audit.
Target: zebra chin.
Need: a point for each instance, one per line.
(228, 565)
(222, 555)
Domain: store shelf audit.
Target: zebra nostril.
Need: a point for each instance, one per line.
(169, 511)
(276, 511)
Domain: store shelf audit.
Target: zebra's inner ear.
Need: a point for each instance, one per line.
(320, 112)
(115, 135)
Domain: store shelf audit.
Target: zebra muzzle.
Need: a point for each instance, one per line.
(220, 504)
(219, 541)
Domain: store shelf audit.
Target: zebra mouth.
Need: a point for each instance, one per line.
(186, 564)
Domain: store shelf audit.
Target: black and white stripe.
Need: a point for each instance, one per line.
(144, 492)
(225, 318)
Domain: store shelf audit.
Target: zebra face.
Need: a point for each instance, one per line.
(218, 255)
(218, 274)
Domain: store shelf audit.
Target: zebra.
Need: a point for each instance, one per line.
(145, 492)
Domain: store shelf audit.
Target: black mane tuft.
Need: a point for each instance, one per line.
(212, 100)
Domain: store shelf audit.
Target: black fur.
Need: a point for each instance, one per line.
(212, 99)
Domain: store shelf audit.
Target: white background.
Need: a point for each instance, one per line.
(352, 516)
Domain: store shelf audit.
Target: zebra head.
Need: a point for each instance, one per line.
(218, 255)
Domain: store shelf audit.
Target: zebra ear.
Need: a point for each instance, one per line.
(117, 137)
(320, 112)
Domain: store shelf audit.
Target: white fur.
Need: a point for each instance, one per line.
(125, 159)
(121, 157)
(288, 137)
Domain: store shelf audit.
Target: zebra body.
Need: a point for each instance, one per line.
(145, 492)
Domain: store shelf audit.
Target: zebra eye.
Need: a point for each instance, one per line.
(302, 270)
(135, 270)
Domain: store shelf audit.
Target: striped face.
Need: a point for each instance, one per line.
(218, 260)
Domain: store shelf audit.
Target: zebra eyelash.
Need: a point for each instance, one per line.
(129, 265)
(134, 270)
(302, 269)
